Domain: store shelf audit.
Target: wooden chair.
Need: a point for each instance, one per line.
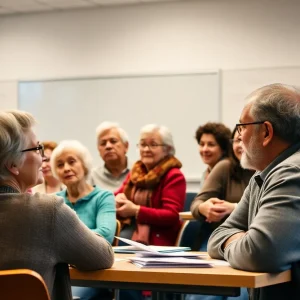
(116, 243)
(117, 233)
(22, 284)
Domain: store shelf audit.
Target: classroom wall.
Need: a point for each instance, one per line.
(149, 38)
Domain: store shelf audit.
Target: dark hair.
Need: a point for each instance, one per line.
(221, 133)
(235, 166)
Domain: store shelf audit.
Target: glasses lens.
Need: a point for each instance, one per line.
(143, 146)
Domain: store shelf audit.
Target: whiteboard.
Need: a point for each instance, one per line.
(72, 109)
(238, 84)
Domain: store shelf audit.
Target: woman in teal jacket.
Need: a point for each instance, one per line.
(71, 164)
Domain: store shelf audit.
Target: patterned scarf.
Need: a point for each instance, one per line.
(140, 187)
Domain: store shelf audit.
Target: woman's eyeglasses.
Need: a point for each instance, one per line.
(38, 149)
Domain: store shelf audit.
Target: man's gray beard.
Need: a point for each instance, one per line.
(245, 164)
(251, 162)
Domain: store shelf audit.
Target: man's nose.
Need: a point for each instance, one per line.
(108, 145)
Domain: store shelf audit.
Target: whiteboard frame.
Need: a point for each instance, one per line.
(217, 72)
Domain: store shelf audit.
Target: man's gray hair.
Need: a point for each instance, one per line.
(104, 126)
(81, 151)
(14, 125)
(165, 134)
(280, 105)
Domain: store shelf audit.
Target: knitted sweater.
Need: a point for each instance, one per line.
(97, 211)
(39, 231)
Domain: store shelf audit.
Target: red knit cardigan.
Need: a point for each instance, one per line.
(167, 201)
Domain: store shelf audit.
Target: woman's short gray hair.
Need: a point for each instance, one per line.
(14, 125)
(280, 105)
(82, 152)
(165, 134)
(104, 126)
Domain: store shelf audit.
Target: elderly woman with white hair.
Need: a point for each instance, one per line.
(39, 231)
(153, 193)
(71, 163)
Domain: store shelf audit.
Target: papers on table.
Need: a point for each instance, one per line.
(142, 249)
(164, 257)
(168, 254)
(169, 262)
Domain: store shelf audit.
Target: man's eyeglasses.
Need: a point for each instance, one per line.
(241, 126)
(38, 149)
(152, 146)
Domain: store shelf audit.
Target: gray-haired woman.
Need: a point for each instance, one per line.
(153, 193)
(31, 234)
(71, 163)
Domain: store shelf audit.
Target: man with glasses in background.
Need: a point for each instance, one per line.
(262, 233)
(112, 142)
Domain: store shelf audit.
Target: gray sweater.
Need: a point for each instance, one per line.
(269, 212)
(39, 231)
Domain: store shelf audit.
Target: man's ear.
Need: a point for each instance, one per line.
(12, 169)
(268, 133)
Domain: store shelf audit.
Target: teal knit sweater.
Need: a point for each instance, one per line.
(96, 210)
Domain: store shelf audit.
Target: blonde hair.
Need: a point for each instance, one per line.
(14, 125)
(51, 145)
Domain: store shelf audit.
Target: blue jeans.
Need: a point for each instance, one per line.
(243, 296)
(130, 295)
(206, 232)
(89, 293)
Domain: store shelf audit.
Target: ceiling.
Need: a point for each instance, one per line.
(30, 6)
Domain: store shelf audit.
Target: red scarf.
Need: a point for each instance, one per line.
(140, 187)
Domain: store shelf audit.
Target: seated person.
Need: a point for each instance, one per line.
(213, 140)
(31, 232)
(112, 141)
(153, 193)
(219, 196)
(50, 184)
(261, 234)
(71, 163)
(220, 193)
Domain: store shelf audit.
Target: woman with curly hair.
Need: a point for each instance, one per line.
(214, 144)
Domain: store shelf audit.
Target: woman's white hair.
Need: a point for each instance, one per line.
(82, 152)
(105, 126)
(164, 133)
(14, 126)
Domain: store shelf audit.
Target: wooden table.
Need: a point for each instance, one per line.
(221, 280)
(186, 216)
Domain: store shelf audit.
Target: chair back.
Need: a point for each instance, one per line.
(117, 233)
(188, 234)
(188, 200)
(22, 284)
